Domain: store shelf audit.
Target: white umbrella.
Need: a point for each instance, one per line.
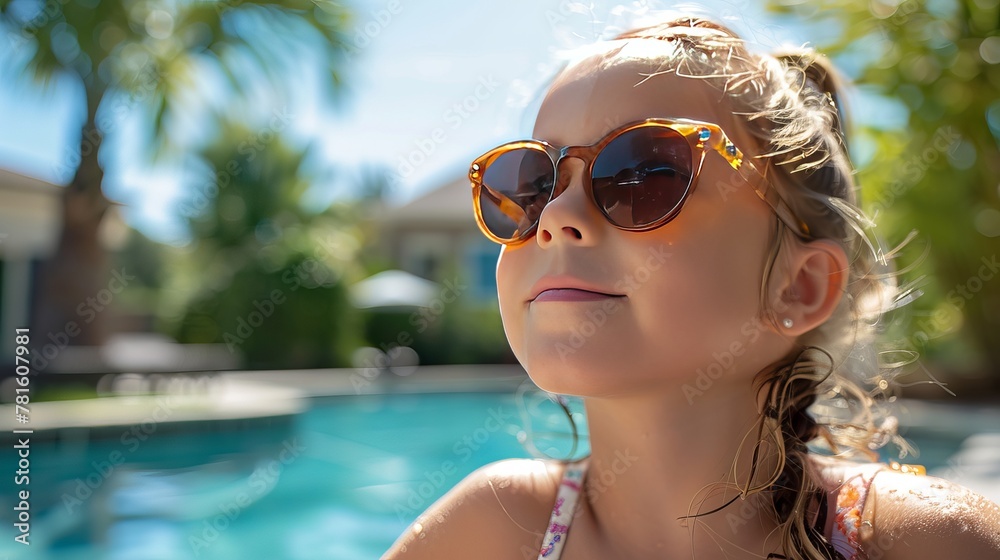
(393, 288)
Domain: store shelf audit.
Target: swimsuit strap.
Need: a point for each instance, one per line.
(562, 513)
(848, 501)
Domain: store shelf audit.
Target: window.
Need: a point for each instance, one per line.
(481, 265)
(425, 253)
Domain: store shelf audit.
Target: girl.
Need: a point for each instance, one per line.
(689, 207)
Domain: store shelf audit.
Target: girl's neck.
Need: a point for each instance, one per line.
(654, 459)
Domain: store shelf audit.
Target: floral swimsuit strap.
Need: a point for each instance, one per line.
(850, 500)
(562, 512)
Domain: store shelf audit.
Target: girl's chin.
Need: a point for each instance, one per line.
(572, 377)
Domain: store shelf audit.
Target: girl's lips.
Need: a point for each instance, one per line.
(571, 294)
(565, 287)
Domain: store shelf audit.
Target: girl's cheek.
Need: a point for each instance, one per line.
(512, 265)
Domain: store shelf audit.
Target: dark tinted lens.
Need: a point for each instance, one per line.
(516, 186)
(642, 175)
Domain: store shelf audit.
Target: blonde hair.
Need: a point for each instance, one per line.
(790, 101)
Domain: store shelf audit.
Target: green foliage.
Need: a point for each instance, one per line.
(265, 275)
(938, 173)
(296, 317)
(144, 259)
(474, 335)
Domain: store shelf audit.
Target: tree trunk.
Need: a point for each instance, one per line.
(71, 307)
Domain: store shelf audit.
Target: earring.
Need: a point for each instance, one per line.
(787, 323)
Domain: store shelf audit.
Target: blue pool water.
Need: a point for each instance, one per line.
(341, 480)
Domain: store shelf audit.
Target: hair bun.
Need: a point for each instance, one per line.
(809, 69)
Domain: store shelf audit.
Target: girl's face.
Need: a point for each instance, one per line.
(688, 291)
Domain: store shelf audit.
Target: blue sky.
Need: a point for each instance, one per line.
(435, 83)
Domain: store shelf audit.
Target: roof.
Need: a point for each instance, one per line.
(31, 214)
(448, 204)
(29, 211)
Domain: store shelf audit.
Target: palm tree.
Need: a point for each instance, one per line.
(147, 54)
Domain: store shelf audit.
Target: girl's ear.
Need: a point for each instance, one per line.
(814, 280)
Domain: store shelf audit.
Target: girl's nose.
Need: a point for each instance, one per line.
(570, 217)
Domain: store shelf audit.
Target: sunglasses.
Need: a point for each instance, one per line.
(640, 176)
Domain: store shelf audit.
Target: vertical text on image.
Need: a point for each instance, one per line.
(22, 509)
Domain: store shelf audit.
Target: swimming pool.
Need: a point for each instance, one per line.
(340, 480)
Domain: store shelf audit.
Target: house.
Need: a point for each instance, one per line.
(435, 236)
(30, 214)
(29, 229)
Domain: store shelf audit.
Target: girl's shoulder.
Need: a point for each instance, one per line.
(499, 507)
(899, 512)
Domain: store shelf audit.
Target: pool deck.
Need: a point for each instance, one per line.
(226, 399)
(425, 379)
(253, 394)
